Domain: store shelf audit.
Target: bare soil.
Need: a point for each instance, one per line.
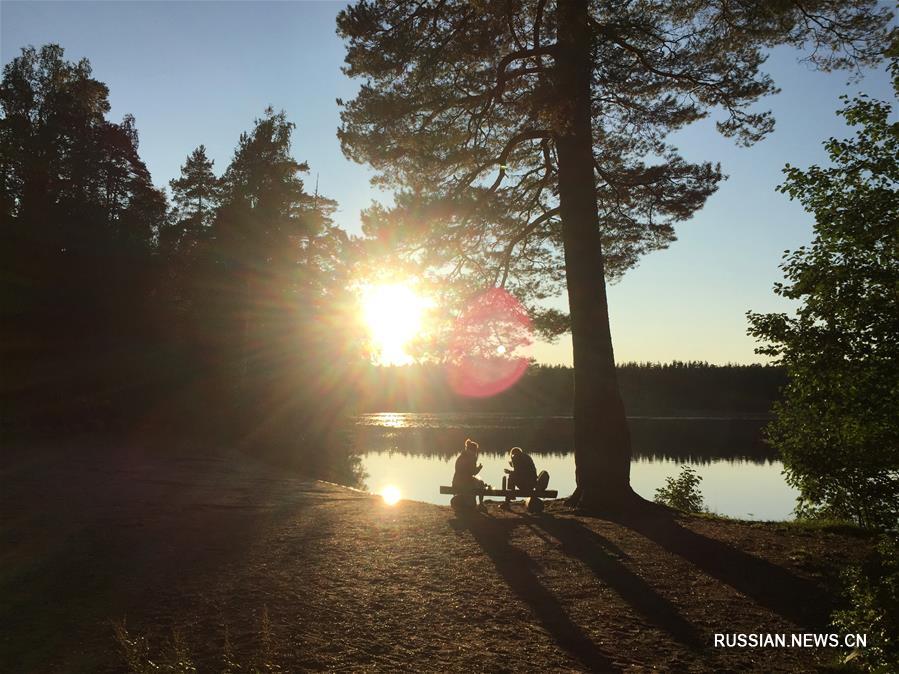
(203, 545)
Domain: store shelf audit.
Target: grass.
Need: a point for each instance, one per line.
(175, 656)
(833, 526)
(842, 527)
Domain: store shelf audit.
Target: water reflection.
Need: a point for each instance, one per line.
(387, 420)
(741, 475)
(694, 439)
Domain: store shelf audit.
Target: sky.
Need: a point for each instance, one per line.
(200, 72)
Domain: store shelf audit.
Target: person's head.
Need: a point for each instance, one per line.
(515, 451)
(471, 446)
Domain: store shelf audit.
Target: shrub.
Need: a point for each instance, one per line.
(872, 591)
(682, 492)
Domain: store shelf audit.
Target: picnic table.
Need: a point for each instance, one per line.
(464, 497)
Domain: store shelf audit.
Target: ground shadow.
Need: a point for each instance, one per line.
(93, 536)
(602, 557)
(516, 568)
(796, 599)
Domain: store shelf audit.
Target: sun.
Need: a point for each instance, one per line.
(393, 315)
(391, 495)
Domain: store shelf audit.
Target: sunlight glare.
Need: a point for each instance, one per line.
(391, 495)
(393, 314)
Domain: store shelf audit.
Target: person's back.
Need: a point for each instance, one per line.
(466, 466)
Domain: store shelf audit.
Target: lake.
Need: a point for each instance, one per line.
(415, 452)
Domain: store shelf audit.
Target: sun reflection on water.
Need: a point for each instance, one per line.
(389, 420)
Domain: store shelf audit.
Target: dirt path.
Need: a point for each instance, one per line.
(198, 544)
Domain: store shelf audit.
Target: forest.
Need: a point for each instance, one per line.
(122, 308)
(223, 306)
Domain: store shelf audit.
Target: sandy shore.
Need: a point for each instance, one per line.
(205, 545)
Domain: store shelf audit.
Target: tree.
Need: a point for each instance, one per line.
(527, 145)
(195, 195)
(836, 425)
(69, 175)
(272, 267)
(80, 220)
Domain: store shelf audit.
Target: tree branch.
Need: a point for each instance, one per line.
(516, 140)
(518, 238)
(538, 19)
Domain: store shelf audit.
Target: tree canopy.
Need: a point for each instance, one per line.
(80, 217)
(836, 426)
(196, 195)
(527, 144)
(460, 112)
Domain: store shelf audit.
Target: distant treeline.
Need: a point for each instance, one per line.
(677, 389)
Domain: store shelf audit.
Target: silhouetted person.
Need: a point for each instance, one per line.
(524, 476)
(524, 473)
(467, 467)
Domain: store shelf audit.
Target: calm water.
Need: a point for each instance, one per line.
(415, 452)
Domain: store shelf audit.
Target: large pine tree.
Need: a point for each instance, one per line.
(526, 141)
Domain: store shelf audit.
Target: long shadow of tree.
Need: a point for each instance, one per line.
(601, 556)
(773, 587)
(792, 597)
(516, 568)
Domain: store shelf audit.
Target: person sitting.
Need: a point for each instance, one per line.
(524, 473)
(467, 467)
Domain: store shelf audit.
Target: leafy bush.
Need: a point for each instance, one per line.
(872, 590)
(682, 492)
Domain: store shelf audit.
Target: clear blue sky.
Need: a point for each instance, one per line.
(200, 72)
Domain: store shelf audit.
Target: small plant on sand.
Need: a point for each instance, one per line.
(682, 492)
(872, 590)
(176, 658)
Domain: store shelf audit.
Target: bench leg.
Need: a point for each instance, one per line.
(535, 505)
(463, 502)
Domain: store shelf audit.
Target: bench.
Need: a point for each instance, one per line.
(512, 493)
(463, 497)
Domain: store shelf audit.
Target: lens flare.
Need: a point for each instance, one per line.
(390, 494)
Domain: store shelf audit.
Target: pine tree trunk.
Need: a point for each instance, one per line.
(602, 447)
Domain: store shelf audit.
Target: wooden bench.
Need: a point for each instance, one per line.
(464, 497)
(512, 493)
